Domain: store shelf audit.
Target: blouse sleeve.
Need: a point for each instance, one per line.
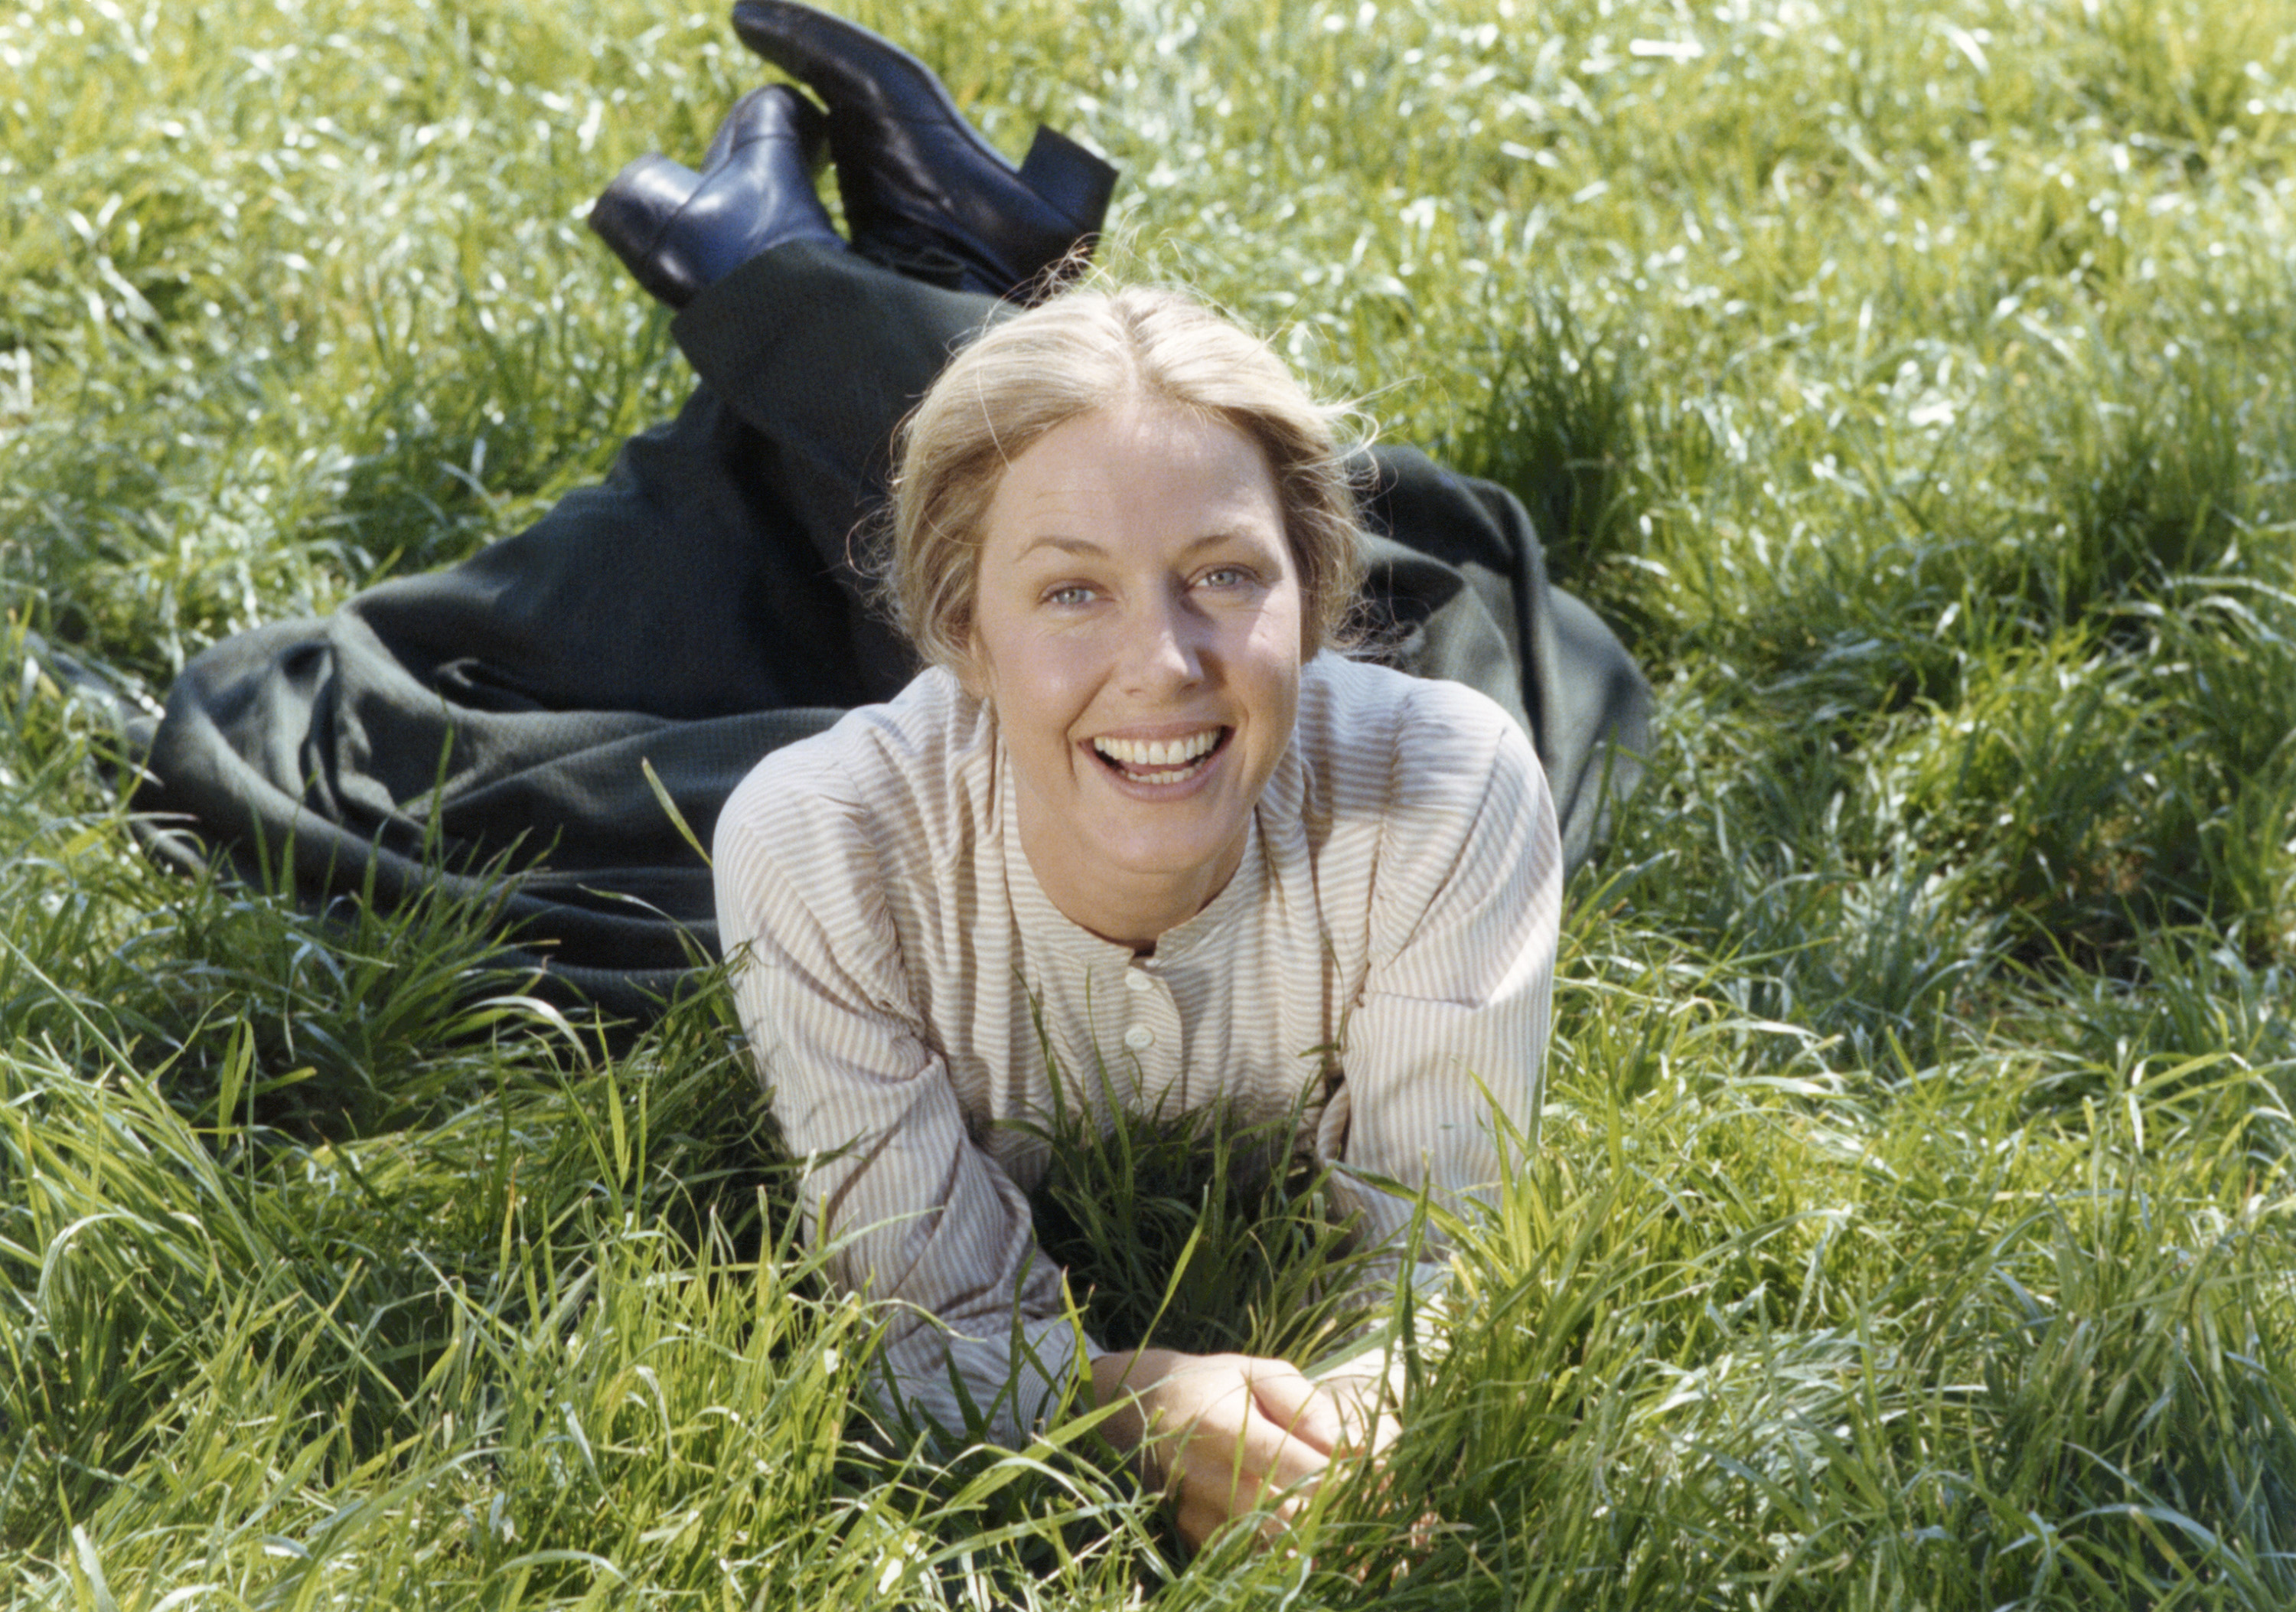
(1443, 1054)
(907, 1208)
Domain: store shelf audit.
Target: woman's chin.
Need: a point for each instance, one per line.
(1187, 856)
(1181, 828)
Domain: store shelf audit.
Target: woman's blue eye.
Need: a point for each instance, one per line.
(1074, 594)
(1225, 576)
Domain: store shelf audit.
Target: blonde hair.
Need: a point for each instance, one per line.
(1083, 352)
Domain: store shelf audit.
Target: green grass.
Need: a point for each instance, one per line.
(1912, 1224)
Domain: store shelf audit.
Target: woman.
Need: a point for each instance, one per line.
(1137, 831)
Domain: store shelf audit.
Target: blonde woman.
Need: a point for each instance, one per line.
(1139, 833)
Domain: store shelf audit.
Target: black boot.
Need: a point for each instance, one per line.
(678, 231)
(923, 192)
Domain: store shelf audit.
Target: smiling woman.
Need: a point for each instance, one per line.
(1138, 842)
(1144, 680)
(1167, 535)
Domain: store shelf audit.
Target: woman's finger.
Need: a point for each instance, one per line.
(1296, 1405)
(1279, 1460)
(1230, 1472)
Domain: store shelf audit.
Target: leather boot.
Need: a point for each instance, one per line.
(923, 192)
(677, 230)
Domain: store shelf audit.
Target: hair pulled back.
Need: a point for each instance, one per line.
(1083, 351)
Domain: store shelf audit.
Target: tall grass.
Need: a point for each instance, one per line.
(1911, 1223)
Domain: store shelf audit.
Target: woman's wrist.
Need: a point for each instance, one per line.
(1121, 1382)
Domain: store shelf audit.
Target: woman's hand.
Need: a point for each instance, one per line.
(1222, 1432)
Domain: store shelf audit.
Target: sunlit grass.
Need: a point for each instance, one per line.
(1911, 1221)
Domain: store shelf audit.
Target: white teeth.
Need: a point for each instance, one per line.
(1158, 753)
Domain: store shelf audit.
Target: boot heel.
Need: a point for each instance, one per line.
(1068, 178)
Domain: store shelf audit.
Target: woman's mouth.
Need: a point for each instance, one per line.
(1161, 761)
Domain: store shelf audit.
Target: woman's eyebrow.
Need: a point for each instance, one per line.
(1075, 546)
(1084, 547)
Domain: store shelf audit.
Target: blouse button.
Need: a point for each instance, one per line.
(1136, 980)
(1140, 1038)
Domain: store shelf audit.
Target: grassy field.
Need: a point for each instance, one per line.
(1912, 1225)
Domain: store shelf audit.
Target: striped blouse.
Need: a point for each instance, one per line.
(1386, 951)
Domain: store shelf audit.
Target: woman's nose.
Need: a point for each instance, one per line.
(1165, 645)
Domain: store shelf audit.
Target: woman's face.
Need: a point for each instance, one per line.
(1137, 635)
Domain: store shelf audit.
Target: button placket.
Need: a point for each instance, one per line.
(1153, 1037)
(1140, 991)
(1138, 1035)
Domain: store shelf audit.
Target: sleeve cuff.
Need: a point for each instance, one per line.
(985, 1390)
